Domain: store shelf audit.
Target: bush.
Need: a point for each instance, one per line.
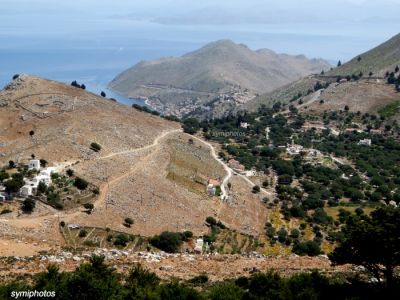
(62, 224)
(28, 205)
(70, 172)
(186, 235)
(82, 233)
(256, 189)
(211, 221)
(42, 187)
(167, 241)
(5, 211)
(95, 147)
(121, 240)
(128, 222)
(310, 248)
(80, 183)
(88, 206)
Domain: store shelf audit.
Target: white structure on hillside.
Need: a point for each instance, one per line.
(31, 186)
(34, 164)
(26, 190)
(294, 149)
(199, 246)
(3, 197)
(267, 131)
(244, 125)
(212, 186)
(365, 142)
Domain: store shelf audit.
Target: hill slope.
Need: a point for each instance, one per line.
(147, 169)
(379, 60)
(353, 93)
(200, 77)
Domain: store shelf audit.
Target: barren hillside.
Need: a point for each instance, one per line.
(147, 169)
(366, 93)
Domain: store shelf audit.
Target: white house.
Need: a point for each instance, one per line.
(48, 171)
(34, 164)
(199, 246)
(41, 178)
(294, 149)
(365, 142)
(27, 190)
(212, 186)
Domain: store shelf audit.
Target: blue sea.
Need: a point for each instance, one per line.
(96, 57)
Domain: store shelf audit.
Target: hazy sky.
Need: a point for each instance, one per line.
(334, 30)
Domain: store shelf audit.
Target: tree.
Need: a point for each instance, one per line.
(121, 240)
(346, 108)
(80, 183)
(28, 205)
(89, 207)
(103, 94)
(70, 172)
(191, 125)
(42, 188)
(95, 147)
(128, 222)
(211, 221)
(310, 248)
(14, 184)
(373, 242)
(256, 189)
(16, 76)
(43, 163)
(82, 233)
(11, 164)
(339, 63)
(167, 241)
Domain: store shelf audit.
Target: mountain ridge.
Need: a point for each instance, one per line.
(220, 67)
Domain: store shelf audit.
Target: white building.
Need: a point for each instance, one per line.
(294, 149)
(34, 164)
(199, 246)
(27, 190)
(244, 125)
(2, 197)
(365, 142)
(48, 171)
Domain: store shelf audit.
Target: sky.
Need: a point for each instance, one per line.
(133, 30)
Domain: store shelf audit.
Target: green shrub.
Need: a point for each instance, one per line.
(82, 233)
(167, 241)
(95, 147)
(5, 211)
(121, 240)
(80, 183)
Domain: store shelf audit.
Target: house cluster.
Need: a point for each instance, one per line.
(44, 176)
(212, 186)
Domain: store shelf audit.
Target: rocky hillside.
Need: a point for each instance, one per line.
(221, 70)
(145, 169)
(65, 120)
(365, 93)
